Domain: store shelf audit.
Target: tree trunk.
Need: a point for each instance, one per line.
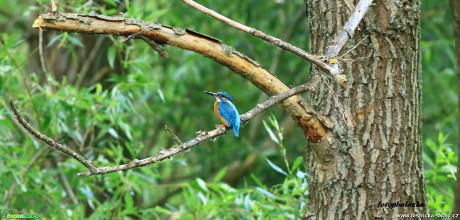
(356, 171)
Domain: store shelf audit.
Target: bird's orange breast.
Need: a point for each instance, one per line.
(216, 110)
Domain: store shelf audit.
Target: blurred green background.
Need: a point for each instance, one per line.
(110, 102)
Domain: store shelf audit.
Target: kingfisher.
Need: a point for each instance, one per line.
(226, 111)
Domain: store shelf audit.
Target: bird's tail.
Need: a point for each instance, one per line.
(236, 126)
(236, 130)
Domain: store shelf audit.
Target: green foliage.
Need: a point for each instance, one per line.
(121, 117)
(217, 200)
(439, 108)
(441, 170)
(255, 200)
(438, 69)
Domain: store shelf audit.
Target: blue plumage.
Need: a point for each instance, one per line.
(226, 111)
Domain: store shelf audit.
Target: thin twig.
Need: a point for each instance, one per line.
(53, 6)
(65, 183)
(124, 39)
(40, 50)
(289, 30)
(334, 49)
(348, 5)
(338, 104)
(48, 140)
(273, 40)
(155, 46)
(340, 57)
(274, 100)
(163, 154)
(91, 58)
(188, 40)
(174, 135)
(149, 41)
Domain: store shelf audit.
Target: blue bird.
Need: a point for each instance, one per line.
(226, 111)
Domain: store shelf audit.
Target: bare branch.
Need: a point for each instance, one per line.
(273, 40)
(354, 47)
(177, 139)
(53, 6)
(65, 183)
(155, 47)
(274, 100)
(48, 140)
(40, 51)
(349, 28)
(163, 154)
(332, 68)
(193, 41)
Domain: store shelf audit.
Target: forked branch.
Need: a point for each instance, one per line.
(163, 154)
(50, 142)
(349, 28)
(273, 40)
(334, 48)
(190, 40)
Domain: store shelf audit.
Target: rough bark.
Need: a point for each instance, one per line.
(455, 7)
(378, 160)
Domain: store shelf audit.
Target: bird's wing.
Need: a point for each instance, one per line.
(228, 111)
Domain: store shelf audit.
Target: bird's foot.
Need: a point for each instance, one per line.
(221, 127)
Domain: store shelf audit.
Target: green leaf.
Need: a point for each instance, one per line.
(128, 201)
(162, 97)
(86, 190)
(202, 184)
(76, 136)
(256, 180)
(276, 168)
(301, 174)
(270, 132)
(202, 198)
(265, 192)
(274, 122)
(54, 39)
(113, 133)
(248, 203)
(126, 129)
(98, 89)
(111, 2)
(441, 138)
(75, 41)
(220, 174)
(297, 162)
(111, 57)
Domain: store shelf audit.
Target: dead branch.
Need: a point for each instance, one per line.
(349, 28)
(331, 67)
(155, 47)
(189, 40)
(273, 40)
(163, 154)
(177, 139)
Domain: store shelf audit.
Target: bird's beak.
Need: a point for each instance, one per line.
(211, 93)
